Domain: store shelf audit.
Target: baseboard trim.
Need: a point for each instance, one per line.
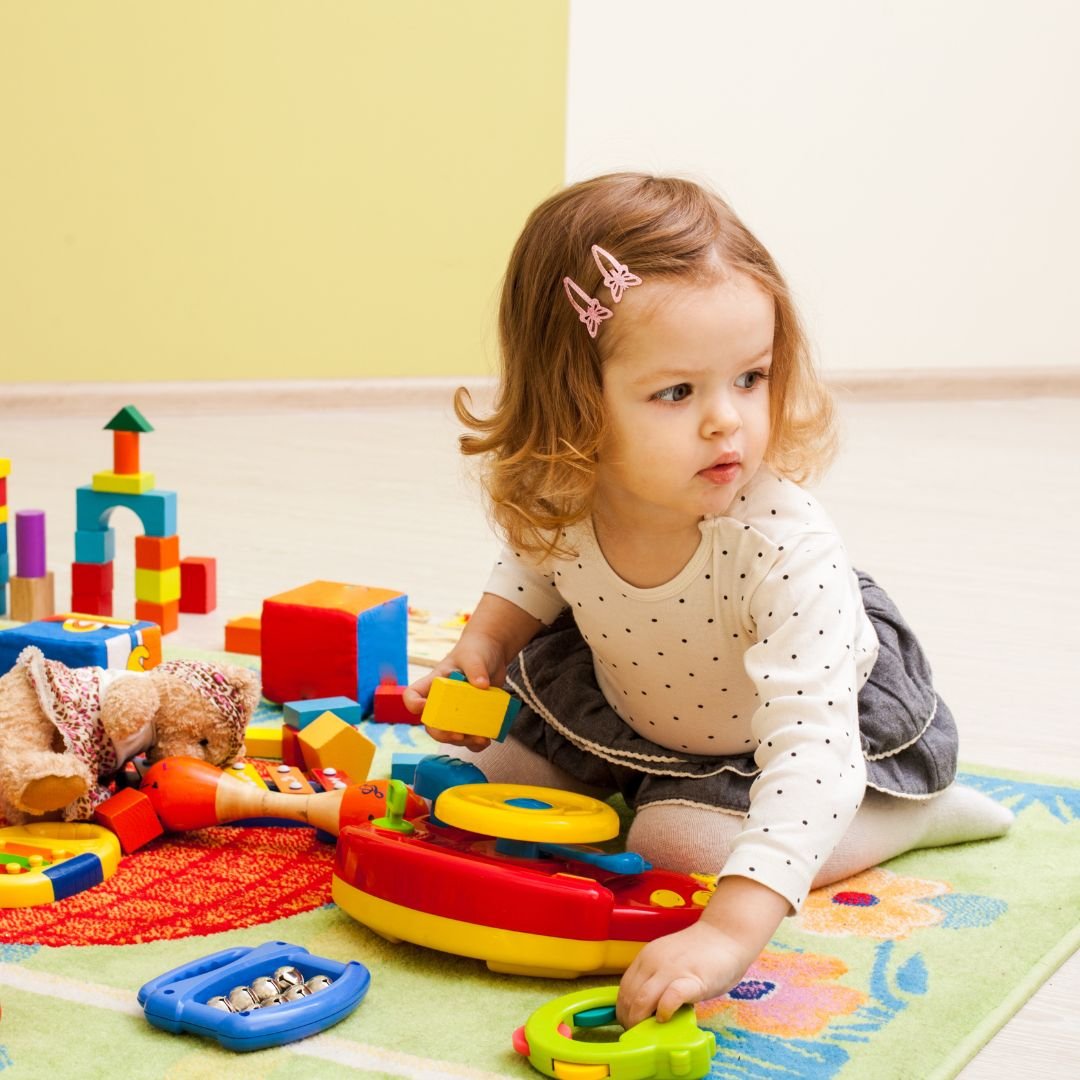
(295, 395)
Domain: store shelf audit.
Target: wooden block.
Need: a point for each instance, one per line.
(167, 616)
(129, 814)
(263, 741)
(198, 584)
(290, 780)
(123, 483)
(243, 635)
(390, 708)
(157, 552)
(96, 545)
(158, 586)
(91, 579)
(32, 598)
(455, 705)
(126, 452)
(330, 741)
(91, 604)
(298, 714)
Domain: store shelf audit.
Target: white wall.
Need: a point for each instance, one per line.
(914, 167)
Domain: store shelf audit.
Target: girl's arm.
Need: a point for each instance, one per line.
(704, 960)
(495, 633)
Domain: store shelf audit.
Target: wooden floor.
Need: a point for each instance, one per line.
(967, 512)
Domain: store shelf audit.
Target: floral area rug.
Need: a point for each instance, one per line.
(902, 971)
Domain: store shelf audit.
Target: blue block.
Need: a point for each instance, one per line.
(155, 509)
(382, 648)
(3, 536)
(108, 646)
(403, 766)
(5, 567)
(437, 772)
(298, 714)
(73, 875)
(95, 545)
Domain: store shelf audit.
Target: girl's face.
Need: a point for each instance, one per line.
(686, 400)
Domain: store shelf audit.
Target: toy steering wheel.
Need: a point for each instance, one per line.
(524, 812)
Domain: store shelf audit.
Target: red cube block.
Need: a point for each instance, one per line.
(390, 708)
(129, 814)
(198, 585)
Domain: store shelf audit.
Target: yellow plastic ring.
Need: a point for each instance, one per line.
(524, 812)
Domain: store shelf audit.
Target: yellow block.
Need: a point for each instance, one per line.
(329, 741)
(3, 514)
(454, 705)
(263, 741)
(157, 586)
(123, 483)
(5, 466)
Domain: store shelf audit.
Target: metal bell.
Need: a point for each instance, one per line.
(241, 998)
(220, 1003)
(264, 988)
(318, 982)
(287, 976)
(295, 992)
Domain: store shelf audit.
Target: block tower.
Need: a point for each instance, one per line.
(157, 552)
(5, 559)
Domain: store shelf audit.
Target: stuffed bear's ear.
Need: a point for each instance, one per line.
(248, 685)
(128, 706)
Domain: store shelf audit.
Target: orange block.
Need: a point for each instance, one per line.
(125, 452)
(129, 814)
(167, 616)
(244, 635)
(157, 552)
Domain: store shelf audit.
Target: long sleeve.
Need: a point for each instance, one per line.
(805, 669)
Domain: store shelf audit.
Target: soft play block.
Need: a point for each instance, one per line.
(130, 815)
(390, 707)
(79, 640)
(263, 741)
(244, 635)
(327, 639)
(298, 714)
(330, 741)
(198, 585)
(455, 705)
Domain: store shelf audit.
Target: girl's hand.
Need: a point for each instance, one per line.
(706, 959)
(692, 965)
(481, 660)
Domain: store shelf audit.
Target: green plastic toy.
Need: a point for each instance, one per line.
(677, 1050)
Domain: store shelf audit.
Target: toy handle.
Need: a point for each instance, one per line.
(193, 968)
(622, 862)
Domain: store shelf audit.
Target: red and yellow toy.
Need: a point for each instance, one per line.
(549, 911)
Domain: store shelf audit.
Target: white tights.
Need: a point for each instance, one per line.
(697, 839)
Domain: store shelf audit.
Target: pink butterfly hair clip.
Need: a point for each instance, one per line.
(617, 278)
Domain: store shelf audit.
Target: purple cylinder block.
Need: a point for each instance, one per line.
(30, 543)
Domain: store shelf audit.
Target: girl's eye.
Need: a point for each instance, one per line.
(674, 393)
(749, 379)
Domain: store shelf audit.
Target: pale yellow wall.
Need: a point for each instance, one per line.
(261, 188)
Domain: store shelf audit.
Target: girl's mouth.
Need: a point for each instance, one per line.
(723, 472)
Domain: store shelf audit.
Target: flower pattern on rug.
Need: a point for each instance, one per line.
(788, 994)
(876, 903)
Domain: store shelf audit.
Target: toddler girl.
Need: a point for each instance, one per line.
(676, 611)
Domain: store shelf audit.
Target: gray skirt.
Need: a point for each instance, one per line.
(908, 734)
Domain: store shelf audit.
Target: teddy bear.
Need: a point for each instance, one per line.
(65, 732)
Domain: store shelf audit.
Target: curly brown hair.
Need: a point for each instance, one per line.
(542, 438)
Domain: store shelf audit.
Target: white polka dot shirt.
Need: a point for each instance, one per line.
(759, 645)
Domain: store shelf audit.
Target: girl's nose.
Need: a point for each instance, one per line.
(721, 417)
